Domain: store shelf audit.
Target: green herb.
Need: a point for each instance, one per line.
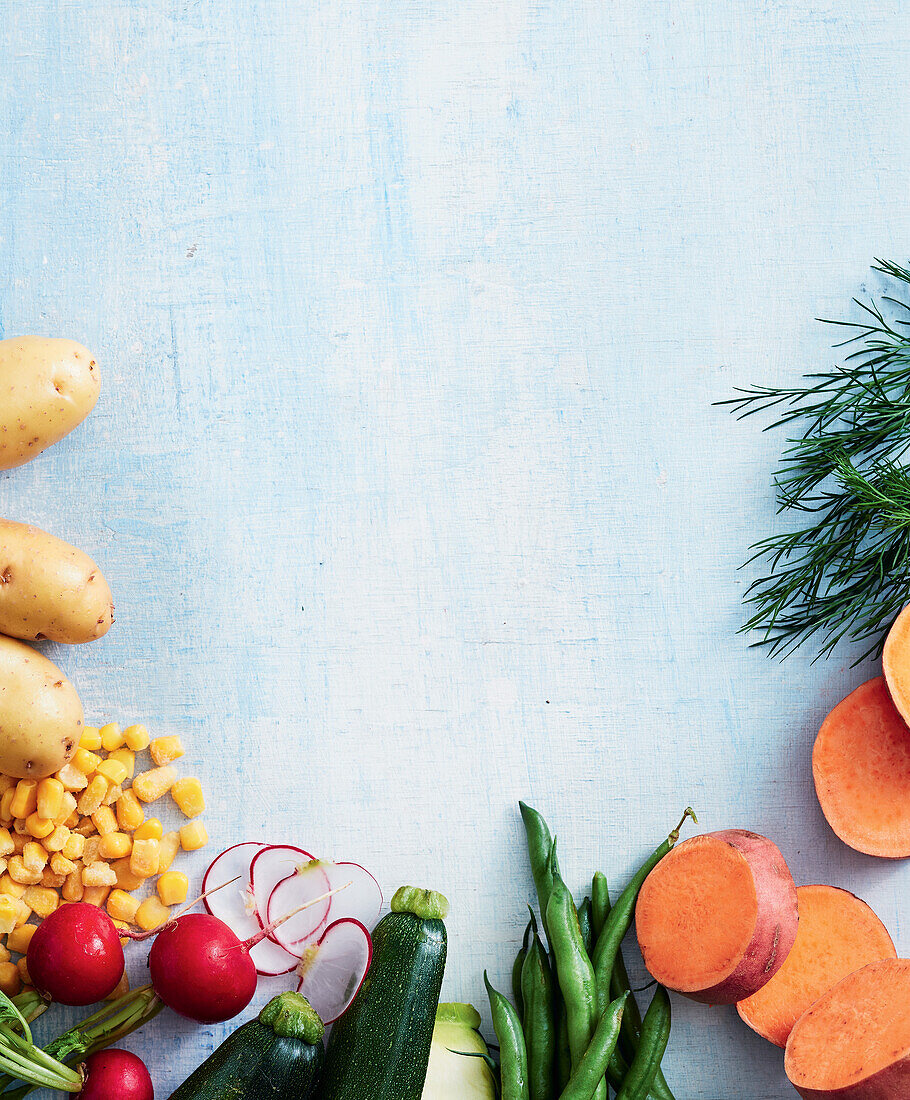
(843, 572)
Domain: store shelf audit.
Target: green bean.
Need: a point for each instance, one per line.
(517, 966)
(573, 969)
(584, 920)
(540, 845)
(513, 1054)
(587, 1077)
(539, 1023)
(600, 904)
(655, 1032)
(563, 1054)
(620, 918)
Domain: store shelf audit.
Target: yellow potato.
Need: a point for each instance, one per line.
(49, 589)
(41, 717)
(47, 388)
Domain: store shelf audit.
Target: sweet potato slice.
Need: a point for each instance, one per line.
(861, 765)
(717, 917)
(854, 1042)
(838, 933)
(896, 662)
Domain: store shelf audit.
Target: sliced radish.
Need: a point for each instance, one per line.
(359, 898)
(233, 904)
(332, 970)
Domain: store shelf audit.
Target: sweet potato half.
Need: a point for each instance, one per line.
(854, 1042)
(861, 767)
(717, 917)
(896, 663)
(838, 933)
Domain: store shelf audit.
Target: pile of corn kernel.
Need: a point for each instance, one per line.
(82, 835)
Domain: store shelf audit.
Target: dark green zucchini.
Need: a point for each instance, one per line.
(278, 1056)
(380, 1047)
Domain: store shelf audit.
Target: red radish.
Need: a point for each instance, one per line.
(332, 970)
(75, 956)
(361, 900)
(116, 1075)
(235, 906)
(202, 970)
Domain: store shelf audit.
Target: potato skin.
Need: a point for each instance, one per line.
(49, 589)
(47, 388)
(41, 718)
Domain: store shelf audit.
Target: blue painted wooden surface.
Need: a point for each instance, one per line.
(405, 474)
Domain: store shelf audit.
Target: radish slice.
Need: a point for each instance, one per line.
(359, 898)
(233, 905)
(332, 970)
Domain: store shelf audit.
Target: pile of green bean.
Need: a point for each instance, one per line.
(575, 1030)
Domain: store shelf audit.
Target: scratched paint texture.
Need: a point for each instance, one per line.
(406, 474)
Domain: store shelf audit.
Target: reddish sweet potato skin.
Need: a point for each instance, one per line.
(775, 926)
(892, 1083)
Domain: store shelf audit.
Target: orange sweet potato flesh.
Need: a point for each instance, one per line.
(838, 933)
(861, 766)
(717, 917)
(896, 663)
(854, 1042)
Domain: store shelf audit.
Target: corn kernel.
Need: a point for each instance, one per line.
(25, 800)
(41, 900)
(126, 880)
(151, 914)
(113, 794)
(67, 807)
(173, 887)
(34, 857)
(51, 879)
(149, 830)
(56, 842)
(10, 888)
(6, 843)
(165, 750)
(187, 793)
(96, 895)
(71, 778)
(73, 820)
(3, 864)
(18, 872)
(104, 820)
(73, 890)
(85, 827)
(6, 805)
(4, 955)
(24, 914)
(193, 836)
(136, 738)
(9, 912)
(111, 737)
(151, 785)
(19, 939)
(168, 847)
(90, 850)
(50, 798)
(85, 761)
(90, 739)
(115, 846)
(123, 987)
(60, 865)
(20, 829)
(93, 795)
(122, 906)
(74, 847)
(124, 927)
(144, 858)
(22, 967)
(10, 979)
(113, 771)
(130, 814)
(39, 827)
(127, 758)
(99, 874)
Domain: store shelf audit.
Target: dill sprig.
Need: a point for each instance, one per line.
(844, 572)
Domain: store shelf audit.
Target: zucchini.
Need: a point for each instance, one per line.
(278, 1056)
(380, 1047)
